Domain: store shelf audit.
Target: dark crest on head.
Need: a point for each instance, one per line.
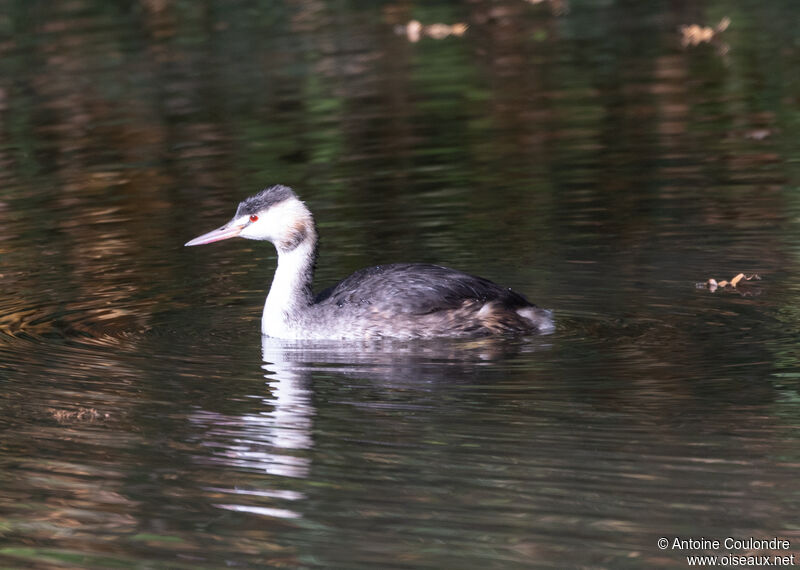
(267, 198)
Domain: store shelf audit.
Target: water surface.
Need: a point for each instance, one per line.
(579, 154)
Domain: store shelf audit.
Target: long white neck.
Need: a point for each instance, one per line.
(290, 292)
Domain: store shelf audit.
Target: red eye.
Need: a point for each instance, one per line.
(253, 218)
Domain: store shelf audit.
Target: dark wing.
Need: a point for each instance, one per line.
(416, 288)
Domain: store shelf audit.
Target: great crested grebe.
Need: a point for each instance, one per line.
(399, 300)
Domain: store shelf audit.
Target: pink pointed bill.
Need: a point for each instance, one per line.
(225, 232)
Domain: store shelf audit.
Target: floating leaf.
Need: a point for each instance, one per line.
(694, 34)
(414, 30)
(712, 284)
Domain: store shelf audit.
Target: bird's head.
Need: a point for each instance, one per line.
(275, 214)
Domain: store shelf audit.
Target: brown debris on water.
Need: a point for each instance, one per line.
(712, 284)
(694, 35)
(759, 134)
(88, 415)
(415, 30)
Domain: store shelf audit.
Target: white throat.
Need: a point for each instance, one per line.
(290, 292)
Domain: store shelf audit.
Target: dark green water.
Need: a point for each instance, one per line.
(582, 156)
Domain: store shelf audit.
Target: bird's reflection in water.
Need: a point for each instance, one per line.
(385, 362)
(278, 439)
(272, 437)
